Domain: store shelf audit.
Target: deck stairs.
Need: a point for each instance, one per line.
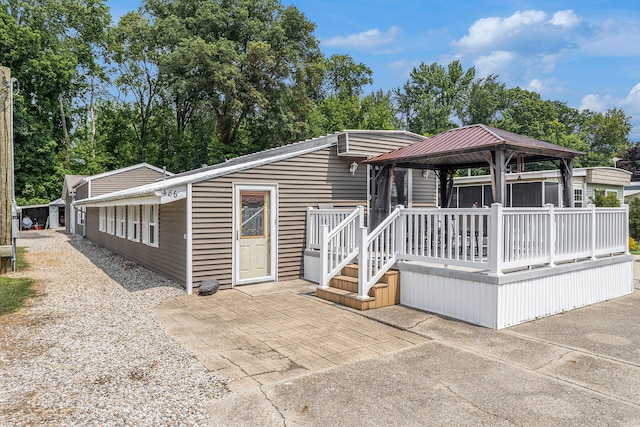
(343, 289)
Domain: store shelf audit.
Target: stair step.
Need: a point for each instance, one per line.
(341, 296)
(346, 283)
(350, 270)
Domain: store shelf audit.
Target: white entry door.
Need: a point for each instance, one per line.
(254, 230)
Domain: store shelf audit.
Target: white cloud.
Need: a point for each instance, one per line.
(398, 65)
(617, 42)
(535, 85)
(364, 40)
(487, 33)
(601, 103)
(565, 18)
(630, 104)
(495, 62)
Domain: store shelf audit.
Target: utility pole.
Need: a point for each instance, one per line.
(6, 172)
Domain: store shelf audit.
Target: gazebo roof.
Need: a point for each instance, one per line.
(469, 147)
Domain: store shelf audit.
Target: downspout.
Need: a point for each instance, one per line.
(189, 238)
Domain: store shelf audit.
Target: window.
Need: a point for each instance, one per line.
(134, 223)
(467, 196)
(551, 193)
(81, 212)
(110, 220)
(150, 225)
(102, 226)
(526, 194)
(577, 197)
(121, 221)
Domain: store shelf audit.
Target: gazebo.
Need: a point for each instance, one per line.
(470, 147)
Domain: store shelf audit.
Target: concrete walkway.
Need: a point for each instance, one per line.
(297, 360)
(265, 333)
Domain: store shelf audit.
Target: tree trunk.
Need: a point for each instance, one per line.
(67, 143)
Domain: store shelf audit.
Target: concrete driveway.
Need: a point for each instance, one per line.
(296, 360)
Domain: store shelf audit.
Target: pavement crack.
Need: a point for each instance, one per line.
(264, 393)
(560, 357)
(455, 393)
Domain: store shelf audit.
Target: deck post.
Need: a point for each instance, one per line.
(626, 227)
(593, 229)
(551, 234)
(310, 227)
(324, 253)
(401, 233)
(497, 240)
(363, 261)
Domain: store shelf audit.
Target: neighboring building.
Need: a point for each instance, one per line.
(243, 221)
(83, 187)
(537, 188)
(50, 215)
(68, 195)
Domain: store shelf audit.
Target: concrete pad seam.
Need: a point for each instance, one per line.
(571, 348)
(561, 380)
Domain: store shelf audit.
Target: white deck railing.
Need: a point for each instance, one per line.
(492, 240)
(316, 218)
(339, 246)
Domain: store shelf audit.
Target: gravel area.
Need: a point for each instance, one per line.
(89, 352)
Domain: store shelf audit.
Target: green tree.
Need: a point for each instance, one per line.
(244, 61)
(606, 135)
(433, 96)
(51, 47)
(484, 100)
(378, 112)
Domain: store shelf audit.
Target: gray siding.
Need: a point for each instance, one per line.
(424, 190)
(168, 259)
(67, 219)
(82, 192)
(318, 177)
(123, 180)
(380, 142)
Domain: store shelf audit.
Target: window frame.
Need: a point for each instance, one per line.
(111, 221)
(133, 218)
(150, 225)
(102, 219)
(121, 222)
(578, 202)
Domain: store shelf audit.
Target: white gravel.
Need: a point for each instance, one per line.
(89, 352)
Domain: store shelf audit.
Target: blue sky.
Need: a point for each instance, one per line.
(582, 52)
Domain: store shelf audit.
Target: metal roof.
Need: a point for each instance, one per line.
(470, 146)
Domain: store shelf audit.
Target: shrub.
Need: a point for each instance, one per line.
(634, 218)
(602, 199)
(633, 245)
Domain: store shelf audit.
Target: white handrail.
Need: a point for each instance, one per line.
(316, 218)
(379, 251)
(339, 246)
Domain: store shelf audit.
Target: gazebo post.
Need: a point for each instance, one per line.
(445, 176)
(500, 172)
(566, 172)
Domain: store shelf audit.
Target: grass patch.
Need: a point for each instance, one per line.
(21, 262)
(13, 293)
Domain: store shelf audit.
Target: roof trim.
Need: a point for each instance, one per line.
(177, 181)
(125, 169)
